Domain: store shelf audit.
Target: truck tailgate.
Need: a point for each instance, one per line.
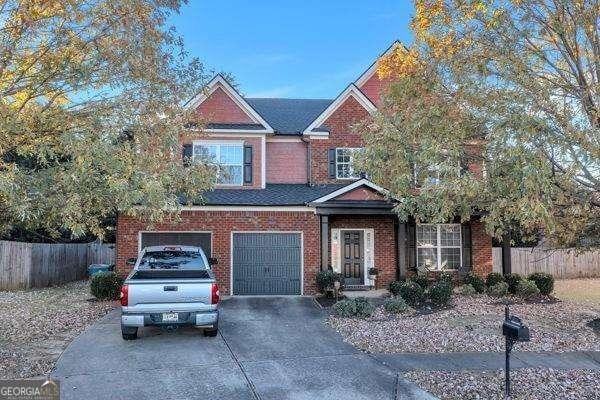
(151, 292)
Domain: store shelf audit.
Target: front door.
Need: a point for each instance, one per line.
(353, 258)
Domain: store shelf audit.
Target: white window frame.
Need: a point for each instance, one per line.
(352, 150)
(239, 143)
(435, 171)
(438, 247)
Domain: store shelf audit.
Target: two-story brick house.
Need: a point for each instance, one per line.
(289, 202)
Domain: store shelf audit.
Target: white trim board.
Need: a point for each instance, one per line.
(250, 208)
(350, 187)
(220, 82)
(254, 231)
(350, 91)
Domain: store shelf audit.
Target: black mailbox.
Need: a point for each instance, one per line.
(514, 329)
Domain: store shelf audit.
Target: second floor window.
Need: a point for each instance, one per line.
(344, 159)
(228, 157)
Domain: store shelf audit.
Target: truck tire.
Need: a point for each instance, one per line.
(212, 332)
(129, 333)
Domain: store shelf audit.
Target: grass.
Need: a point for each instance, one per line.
(578, 290)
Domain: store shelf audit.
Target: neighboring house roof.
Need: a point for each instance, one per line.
(289, 116)
(272, 195)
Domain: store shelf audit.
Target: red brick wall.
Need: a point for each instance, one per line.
(361, 193)
(481, 248)
(374, 88)
(221, 224)
(340, 135)
(287, 162)
(219, 107)
(384, 242)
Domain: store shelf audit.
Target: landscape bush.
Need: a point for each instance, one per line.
(396, 305)
(543, 281)
(500, 289)
(527, 289)
(359, 307)
(420, 280)
(440, 293)
(493, 279)
(446, 277)
(412, 293)
(325, 280)
(394, 287)
(475, 281)
(106, 286)
(363, 307)
(467, 290)
(513, 281)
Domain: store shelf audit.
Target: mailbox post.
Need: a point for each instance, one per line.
(514, 331)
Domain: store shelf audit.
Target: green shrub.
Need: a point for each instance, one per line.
(421, 281)
(394, 287)
(446, 277)
(527, 289)
(325, 280)
(543, 281)
(500, 289)
(396, 305)
(475, 281)
(106, 286)
(440, 293)
(359, 307)
(512, 280)
(412, 293)
(363, 307)
(467, 290)
(345, 308)
(493, 279)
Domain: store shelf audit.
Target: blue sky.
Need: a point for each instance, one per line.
(292, 48)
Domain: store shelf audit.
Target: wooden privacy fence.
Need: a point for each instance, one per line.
(27, 265)
(559, 263)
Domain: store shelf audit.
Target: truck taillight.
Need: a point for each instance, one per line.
(214, 294)
(124, 295)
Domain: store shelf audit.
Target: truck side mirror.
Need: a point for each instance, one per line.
(212, 261)
(131, 261)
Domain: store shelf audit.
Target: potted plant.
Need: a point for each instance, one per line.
(373, 272)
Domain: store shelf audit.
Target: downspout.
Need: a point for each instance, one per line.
(308, 163)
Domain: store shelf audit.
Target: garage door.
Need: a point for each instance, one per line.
(267, 263)
(199, 239)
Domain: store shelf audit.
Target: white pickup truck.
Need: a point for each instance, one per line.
(169, 286)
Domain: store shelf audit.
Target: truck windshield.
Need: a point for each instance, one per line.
(172, 259)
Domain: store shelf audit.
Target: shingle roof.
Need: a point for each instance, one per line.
(272, 195)
(213, 125)
(289, 116)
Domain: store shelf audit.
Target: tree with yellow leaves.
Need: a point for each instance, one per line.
(521, 79)
(91, 113)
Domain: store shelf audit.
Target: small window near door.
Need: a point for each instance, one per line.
(439, 246)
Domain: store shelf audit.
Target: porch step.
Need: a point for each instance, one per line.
(357, 288)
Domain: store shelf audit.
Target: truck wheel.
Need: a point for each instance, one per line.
(129, 333)
(212, 332)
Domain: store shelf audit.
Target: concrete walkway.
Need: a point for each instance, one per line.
(490, 360)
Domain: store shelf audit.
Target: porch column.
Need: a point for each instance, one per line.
(401, 253)
(324, 242)
(506, 261)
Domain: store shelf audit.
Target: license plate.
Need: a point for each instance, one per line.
(170, 317)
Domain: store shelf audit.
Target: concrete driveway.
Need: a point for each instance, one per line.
(268, 348)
